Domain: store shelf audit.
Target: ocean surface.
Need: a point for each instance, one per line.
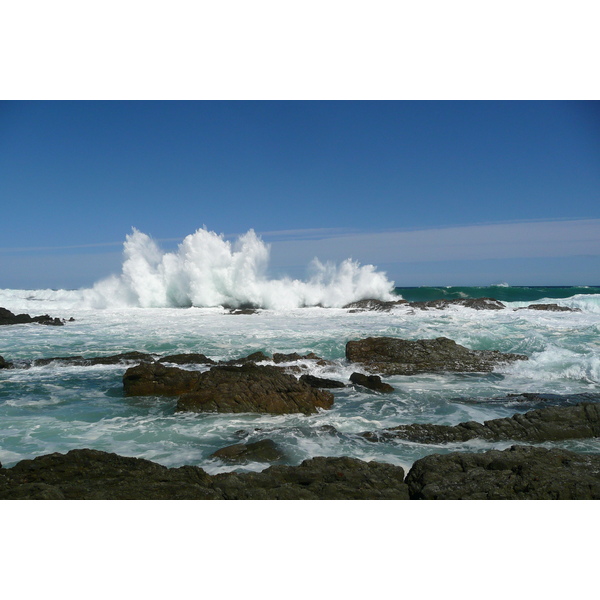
(56, 408)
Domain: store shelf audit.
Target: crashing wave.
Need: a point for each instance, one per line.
(207, 270)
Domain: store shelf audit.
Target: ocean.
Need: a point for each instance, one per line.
(175, 303)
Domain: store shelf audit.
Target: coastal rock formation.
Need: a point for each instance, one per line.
(187, 359)
(374, 304)
(554, 423)
(372, 382)
(395, 356)
(549, 307)
(261, 451)
(518, 473)
(475, 303)
(9, 318)
(254, 358)
(94, 475)
(4, 364)
(79, 361)
(251, 388)
(154, 379)
(321, 382)
(278, 357)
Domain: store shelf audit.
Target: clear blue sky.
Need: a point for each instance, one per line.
(434, 193)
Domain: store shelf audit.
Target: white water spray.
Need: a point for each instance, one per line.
(207, 270)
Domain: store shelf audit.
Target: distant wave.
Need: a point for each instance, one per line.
(207, 270)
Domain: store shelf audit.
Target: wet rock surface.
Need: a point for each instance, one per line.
(261, 451)
(475, 303)
(541, 425)
(9, 318)
(80, 361)
(549, 307)
(4, 364)
(371, 382)
(252, 388)
(518, 473)
(154, 379)
(187, 359)
(395, 356)
(374, 304)
(322, 382)
(95, 475)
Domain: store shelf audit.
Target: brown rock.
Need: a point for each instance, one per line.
(372, 382)
(155, 379)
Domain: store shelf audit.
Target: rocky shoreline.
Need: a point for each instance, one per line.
(518, 473)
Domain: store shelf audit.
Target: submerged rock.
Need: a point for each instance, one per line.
(372, 382)
(80, 361)
(9, 318)
(549, 307)
(475, 303)
(321, 382)
(261, 451)
(395, 356)
(94, 475)
(251, 388)
(541, 425)
(374, 304)
(518, 473)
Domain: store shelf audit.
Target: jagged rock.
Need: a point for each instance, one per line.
(251, 358)
(554, 423)
(80, 361)
(518, 473)
(187, 359)
(261, 451)
(94, 475)
(394, 356)
(4, 364)
(475, 303)
(251, 388)
(278, 357)
(321, 382)
(243, 311)
(9, 318)
(549, 307)
(372, 382)
(154, 379)
(374, 304)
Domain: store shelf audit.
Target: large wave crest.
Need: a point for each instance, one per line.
(207, 270)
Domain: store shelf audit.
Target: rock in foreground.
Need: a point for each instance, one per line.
(518, 473)
(395, 356)
(551, 424)
(94, 475)
(251, 388)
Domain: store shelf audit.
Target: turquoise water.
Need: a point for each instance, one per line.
(57, 408)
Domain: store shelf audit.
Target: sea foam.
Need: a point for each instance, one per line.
(208, 270)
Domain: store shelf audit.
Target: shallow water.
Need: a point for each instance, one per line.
(57, 408)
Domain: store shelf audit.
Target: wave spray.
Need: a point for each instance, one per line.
(207, 270)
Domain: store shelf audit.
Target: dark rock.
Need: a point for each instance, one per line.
(187, 359)
(4, 364)
(80, 361)
(518, 473)
(394, 356)
(251, 358)
(278, 357)
(243, 311)
(554, 423)
(372, 382)
(374, 304)
(549, 307)
(250, 388)
(8, 318)
(321, 382)
(317, 479)
(475, 303)
(261, 451)
(94, 475)
(154, 379)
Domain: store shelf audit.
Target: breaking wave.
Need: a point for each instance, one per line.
(207, 270)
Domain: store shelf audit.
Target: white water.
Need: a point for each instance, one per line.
(207, 271)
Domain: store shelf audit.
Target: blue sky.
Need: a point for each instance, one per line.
(434, 193)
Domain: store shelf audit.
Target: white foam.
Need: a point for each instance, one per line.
(207, 270)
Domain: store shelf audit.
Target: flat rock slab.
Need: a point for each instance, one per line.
(549, 307)
(395, 356)
(552, 424)
(94, 475)
(251, 388)
(518, 473)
